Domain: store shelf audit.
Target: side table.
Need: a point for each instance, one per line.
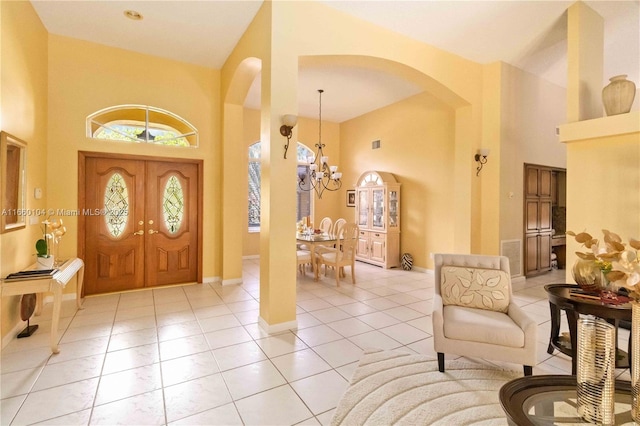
(54, 285)
(560, 299)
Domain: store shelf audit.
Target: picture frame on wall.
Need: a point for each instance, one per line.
(351, 197)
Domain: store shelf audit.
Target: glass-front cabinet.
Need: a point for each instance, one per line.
(378, 217)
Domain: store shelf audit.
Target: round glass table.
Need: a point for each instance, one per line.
(551, 400)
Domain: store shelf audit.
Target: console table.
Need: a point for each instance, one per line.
(551, 399)
(55, 285)
(560, 299)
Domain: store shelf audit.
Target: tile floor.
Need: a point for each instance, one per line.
(195, 355)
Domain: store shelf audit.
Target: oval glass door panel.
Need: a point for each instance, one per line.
(116, 205)
(173, 204)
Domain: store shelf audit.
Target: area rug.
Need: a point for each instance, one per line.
(397, 388)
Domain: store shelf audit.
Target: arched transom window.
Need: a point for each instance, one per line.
(141, 124)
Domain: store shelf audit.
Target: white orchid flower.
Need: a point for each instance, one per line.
(629, 265)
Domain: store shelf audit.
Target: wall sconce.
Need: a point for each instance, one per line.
(289, 121)
(481, 158)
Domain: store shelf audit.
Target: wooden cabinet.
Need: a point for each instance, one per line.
(538, 181)
(538, 257)
(378, 217)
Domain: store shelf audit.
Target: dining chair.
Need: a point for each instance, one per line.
(341, 256)
(304, 259)
(337, 227)
(325, 225)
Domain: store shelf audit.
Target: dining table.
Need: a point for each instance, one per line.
(315, 240)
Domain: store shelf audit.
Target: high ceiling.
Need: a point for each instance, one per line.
(528, 34)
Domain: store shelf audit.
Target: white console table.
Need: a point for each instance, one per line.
(54, 285)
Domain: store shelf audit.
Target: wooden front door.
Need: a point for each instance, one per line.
(141, 223)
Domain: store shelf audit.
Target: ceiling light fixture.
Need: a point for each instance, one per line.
(132, 14)
(320, 175)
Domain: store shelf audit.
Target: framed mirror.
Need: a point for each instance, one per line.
(13, 191)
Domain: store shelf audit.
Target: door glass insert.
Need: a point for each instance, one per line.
(378, 208)
(173, 204)
(116, 205)
(363, 208)
(393, 208)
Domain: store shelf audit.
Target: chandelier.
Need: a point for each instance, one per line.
(320, 174)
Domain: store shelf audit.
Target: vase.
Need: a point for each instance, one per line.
(587, 275)
(44, 262)
(617, 96)
(635, 361)
(595, 370)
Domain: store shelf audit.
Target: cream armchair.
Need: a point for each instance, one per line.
(474, 313)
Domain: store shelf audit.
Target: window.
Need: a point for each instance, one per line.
(303, 196)
(141, 124)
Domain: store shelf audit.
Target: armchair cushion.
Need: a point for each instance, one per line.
(475, 288)
(483, 326)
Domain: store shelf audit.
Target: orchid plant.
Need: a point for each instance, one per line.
(57, 231)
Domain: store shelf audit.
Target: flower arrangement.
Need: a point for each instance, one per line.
(42, 245)
(619, 264)
(57, 231)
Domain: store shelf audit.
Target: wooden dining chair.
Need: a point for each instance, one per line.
(304, 259)
(341, 256)
(325, 225)
(337, 227)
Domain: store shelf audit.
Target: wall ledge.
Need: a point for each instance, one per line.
(614, 125)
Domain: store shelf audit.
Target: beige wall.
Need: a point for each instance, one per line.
(24, 114)
(85, 77)
(530, 111)
(417, 145)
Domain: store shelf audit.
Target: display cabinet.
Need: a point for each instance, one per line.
(378, 217)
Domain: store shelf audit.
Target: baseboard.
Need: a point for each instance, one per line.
(423, 270)
(20, 325)
(65, 296)
(232, 281)
(277, 328)
(211, 280)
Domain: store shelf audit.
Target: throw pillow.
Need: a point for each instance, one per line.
(475, 288)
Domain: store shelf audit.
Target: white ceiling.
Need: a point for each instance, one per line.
(528, 34)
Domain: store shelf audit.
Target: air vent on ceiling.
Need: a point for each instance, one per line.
(375, 144)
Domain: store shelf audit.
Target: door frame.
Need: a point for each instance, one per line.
(82, 158)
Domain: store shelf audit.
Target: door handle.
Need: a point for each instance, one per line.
(140, 232)
(151, 232)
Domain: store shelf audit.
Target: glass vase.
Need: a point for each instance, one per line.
(635, 361)
(587, 275)
(595, 370)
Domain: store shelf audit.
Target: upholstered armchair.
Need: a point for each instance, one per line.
(474, 313)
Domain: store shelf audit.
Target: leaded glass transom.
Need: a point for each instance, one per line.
(173, 204)
(116, 205)
(141, 124)
(371, 179)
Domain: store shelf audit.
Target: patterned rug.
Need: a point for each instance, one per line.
(397, 388)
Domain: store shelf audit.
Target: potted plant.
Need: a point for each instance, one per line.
(44, 258)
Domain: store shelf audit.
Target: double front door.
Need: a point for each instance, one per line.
(141, 223)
